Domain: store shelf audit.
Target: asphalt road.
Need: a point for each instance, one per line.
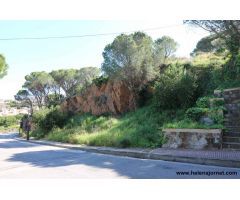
(26, 160)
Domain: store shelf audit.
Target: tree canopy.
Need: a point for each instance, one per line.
(227, 30)
(164, 48)
(49, 89)
(135, 58)
(40, 84)
(66, 79)
(26, 98)
(72, 81)
(209, 44)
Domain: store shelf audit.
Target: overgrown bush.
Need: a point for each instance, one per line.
(205, 60)
(10, 120)
(196, 113)
(203, 102)
(175, 88)
(145, 95)
(206, 79)
(55, 118)
(230, 76)
(203, 108)
(139, 128)
(40, 115)
(100, 80)
(188, 123)
(216, 72)
(193, 115)
(47, 119)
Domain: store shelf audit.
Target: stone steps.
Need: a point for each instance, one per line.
(229, 117)
(230, 127)
(232, 130)
(231, 112)
(231, 145)
(232, 134)
(231, 123)
(232, 101)
(232, 107)
(231, 95)
(231, 139)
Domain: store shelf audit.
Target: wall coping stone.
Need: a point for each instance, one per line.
(204, 131)
(226, 90)
(231, 89)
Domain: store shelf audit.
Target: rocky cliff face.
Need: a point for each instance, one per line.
(112, 97)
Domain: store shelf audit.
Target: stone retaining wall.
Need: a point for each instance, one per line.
(193, 138)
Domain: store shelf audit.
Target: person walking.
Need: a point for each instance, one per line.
(25, 125)
(28, 126)
(20, 126)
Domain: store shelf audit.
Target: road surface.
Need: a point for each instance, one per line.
(27, 160)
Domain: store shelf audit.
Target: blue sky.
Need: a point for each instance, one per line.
(26, 56)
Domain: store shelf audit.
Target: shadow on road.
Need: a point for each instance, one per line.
(132, 168)
(8, 135)
(7, 141)
(12, 144)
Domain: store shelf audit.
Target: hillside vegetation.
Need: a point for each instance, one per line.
(142, 128)
(175, 102)
(169, 92)
(9, 123)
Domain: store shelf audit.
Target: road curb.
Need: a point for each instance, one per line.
(142, 154)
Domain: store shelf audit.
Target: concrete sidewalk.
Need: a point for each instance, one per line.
(224, 158)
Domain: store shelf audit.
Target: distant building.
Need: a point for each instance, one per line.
(6, 110)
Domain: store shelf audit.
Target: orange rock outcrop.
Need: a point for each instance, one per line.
(111, 97)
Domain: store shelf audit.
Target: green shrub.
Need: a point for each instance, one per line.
(188, 123)
(100, 80)
(216, 102)
(10, 120)
(175, 89)
(208, 59)
(38, 133)
(229, 75)
(54, 118)
(40, 115)
(226, 84)
(204, 80)
(216, 114)
(135, 129)
(203, 108)
(125, 142)
(195, 113)
(203, 102)
(49, 118)
(145, 95)
(208, 70)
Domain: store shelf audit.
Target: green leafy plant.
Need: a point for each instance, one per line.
(192, 124)
(195, 113)
(99, 81)
(47, 119)
(9, 122)
(175, 89)
(203, 102)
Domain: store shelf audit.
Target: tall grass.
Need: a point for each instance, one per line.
(9, 123)
(140, 128)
